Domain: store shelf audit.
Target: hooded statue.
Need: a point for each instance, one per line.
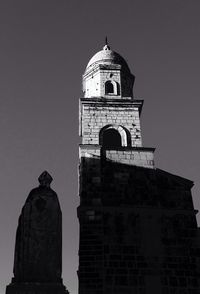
(38, 249)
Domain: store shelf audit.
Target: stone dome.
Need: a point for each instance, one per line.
(107, 57)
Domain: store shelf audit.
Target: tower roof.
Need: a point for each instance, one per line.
(108, 57)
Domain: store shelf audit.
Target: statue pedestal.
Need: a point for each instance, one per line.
(36, 288)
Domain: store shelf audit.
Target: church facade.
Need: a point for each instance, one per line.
(138, 229)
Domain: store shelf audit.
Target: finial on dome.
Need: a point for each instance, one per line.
(106, 47)
(45, 179)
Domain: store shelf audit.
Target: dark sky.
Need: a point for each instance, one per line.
(44, 48)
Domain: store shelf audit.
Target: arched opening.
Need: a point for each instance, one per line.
(109, 87)
(111, 138)
(118, 135)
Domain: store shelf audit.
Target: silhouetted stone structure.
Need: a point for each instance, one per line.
(138, 229)
(38, 248)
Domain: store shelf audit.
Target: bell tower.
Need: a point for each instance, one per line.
(138, 229)
(110, 132)
(109, 114)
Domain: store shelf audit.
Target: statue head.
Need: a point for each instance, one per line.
(45, 179)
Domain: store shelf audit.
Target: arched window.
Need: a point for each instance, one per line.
(111, 138)
(114, 136)
(109, 87)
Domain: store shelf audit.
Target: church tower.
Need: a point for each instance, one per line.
(138, 230)
(109, 115)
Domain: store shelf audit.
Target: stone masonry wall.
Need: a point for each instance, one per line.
(94, 80)
(137, 157)
(95, 117)
(109, 75)
(138, 231)
(132, 157)
(91, 85)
